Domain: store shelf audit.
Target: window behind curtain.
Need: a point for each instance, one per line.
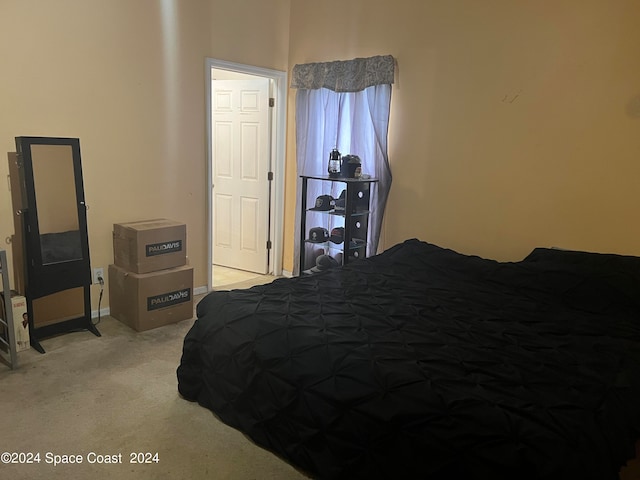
(354, 121)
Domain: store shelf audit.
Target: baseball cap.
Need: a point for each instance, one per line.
(340, 202)
(324, 262)
(318, 235)
(337, 235)
(324, 203)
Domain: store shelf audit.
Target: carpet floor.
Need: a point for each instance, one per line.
(106, 402)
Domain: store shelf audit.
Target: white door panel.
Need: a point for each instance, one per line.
(240, 136)
(249, 224)
(224, 214)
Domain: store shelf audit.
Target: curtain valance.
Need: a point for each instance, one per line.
(344, 76)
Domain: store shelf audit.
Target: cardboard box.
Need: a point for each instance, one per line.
(149, 245)
(20, 321)
(149, 300)
(17, 240)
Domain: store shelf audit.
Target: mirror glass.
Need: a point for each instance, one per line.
(55, 192)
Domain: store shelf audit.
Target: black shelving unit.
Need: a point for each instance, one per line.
(347, 219)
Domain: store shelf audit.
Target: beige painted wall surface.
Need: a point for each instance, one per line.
(127, 78)
(514, 124)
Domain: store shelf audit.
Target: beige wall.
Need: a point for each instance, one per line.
(127, 78)
(514, 123)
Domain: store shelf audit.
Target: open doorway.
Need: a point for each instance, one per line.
(245, 163)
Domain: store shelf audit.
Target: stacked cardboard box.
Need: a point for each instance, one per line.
(150, 283)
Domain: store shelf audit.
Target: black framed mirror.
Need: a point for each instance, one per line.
(55, 226)
(56, 203)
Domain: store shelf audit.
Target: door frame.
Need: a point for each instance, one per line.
(278, 147)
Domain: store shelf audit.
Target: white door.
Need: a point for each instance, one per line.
(240, 159)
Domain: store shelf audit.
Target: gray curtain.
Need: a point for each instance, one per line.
(344, 76)
(344, 105)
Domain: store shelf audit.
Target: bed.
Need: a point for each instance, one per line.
(422, 362)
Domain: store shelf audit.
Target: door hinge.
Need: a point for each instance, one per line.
(272, 102)
(268, 244)
(270, 176)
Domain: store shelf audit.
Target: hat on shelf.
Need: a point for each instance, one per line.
(324, 262)
(341, 201)
(318, 235)
(324, 203)
(337, 235)
(357, 243)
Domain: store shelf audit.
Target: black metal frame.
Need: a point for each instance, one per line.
(354, 209)
(46, 279)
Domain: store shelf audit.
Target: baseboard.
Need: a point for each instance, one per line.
(200, 290)
(103, 312)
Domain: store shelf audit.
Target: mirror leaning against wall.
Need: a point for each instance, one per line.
(56, 203)
(52, 242)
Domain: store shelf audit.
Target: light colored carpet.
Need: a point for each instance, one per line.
(117, 395)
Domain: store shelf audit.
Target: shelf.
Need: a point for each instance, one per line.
(341, 179)
(353, 219)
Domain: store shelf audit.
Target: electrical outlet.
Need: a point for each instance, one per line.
(97, 274)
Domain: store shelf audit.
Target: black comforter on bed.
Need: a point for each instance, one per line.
(425, 363)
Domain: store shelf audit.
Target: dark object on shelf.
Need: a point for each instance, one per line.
(324, 203)
(357, 248)
(347, 219)
(341, 202)
(335, 163)
(351, 166)
(318, 235)
(337, 235)
(424, 363)
(323, 262)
